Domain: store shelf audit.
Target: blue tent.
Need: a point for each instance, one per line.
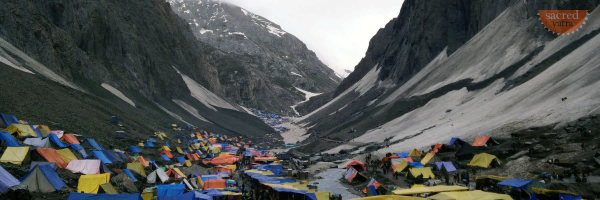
(148, 144)
(37, 131)
(515, 183)
(569, 196)
(167, 144)
(112, 156)
(8, 139)
(213, 193)
(180, 159)
(199, 153)
(100, 156)
(276, 169)
(86, 196)
(123, 156)
(186, 196)
(49, 173)
(7, 180)
(129, 174)
(134, 149)
(92, 144)
(454, 140)
(169, 190)
(54, 139)
(151, 140)
(447, 165)
(165, 157)
(8, 119)
(209, 155)
(79, 149)
(198, 195)
(416, 164)
(403, 155)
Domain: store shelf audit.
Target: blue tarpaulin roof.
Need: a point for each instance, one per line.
(403, 155)
(129, 174)
(111, 156)
(8, 119)
(100, 156)
(7, 180)
(93, 143)
(37, 131)
(79, 149)
(447, 165)
(276, 169)
(186, 196)
(86, 196)
(54, 139)
(8, 139)
(123, 156)
(515, 183)
(198, 195)
(454, 140)
(568, 197)
(213, 193)
(209, 177)
(169, 190)
(50, 174)
(134, 149)
(416, 164)
(148, 144)
(180, 159)
(165, 157)
(151, 140)
(167, 144)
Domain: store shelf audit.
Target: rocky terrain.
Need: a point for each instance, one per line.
(273, 62)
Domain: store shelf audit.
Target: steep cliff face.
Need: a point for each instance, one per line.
(458, 69)
(273, 62)
(139, 51)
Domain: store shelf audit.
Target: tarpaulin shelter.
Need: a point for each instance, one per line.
(91, 183)
(7, 138)
(107, 188)
(8, 119)
(187, 163)
(112, 156)
(160, 173)
(148, 144)
(51, 155)
(415, 164)
(214, 183)
(415, 153)
(7, 180)
(175, 172)
(555, 194)
(484, 160)
(42, 178)
(84, 166)
(165, 157)
(34, 163)
(134, 149)
(375, 187)
(470, 195)
(89, 143)
(38, 132)
(129, 174)
(124, 156)
(38, 142)
(166, 152)
(514, 183)
(448, 166)
(433, 189)
(180, 159)
(456, 141)
(169, 190)
(142, 160)
(360, 166)
(437, 147)
(84, 196)
(277, 169)
(224, 169)
(186, 196)
(45, 130)
(351, 175)
(262, 159)
(56, 141)
(400, 167)
(484, 141)
(70, 138)
(79, 149)
(66, 155)
(425, 171)
(16, 155)
(151, 140)
(21, 130)
(100, 156)
(179, 150)
(429, 158)
(137, 167)
(205, 178)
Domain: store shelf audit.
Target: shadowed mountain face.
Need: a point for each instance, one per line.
(136, 54)
(273, 62)
(457, 69)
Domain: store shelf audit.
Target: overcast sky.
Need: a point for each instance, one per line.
(337, 30)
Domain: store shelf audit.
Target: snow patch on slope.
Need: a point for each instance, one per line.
(171, 113)
(118, 93)
(295, 74)
(307, 96)
(190, 109)
(5, 61)
(203, 95)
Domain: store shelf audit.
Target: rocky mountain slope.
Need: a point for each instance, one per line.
(447, 69)
(273, 62)
(103, 50)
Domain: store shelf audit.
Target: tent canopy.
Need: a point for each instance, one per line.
(91, 183)
(137, 167)
(91, 144)
(484, 141)
(425, 171)
(448, 166)
(70, 138)
(51, 155)
(356, 163)
(515, 183)
(55, 140)
(7, 138)
(16, 155)
(66, 155)
(169, 190)
(42, 178)
(415, 153)
(483, 160)
(37, 142)
(456, 140)
(21, 130)
(8, 119)
(84, 166)
(7, 180)
(470, 195)
(134, 149)
(100, 156)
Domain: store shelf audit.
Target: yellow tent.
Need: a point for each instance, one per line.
(165, 148)
(434, 189)
(469, 195)
(390, 197)
(147, 195)
(91, 183)
(179, 150)
(483, 160)
(190, 149)
(21, 130)
(66, 155)
(163, 134)
(160, 137)
(140, 144)
(427, 158)
(415, 153)
(425, 171)
(216, 150)
(187, 163)
(137, 167)
(322, 195)
(179, 172)
(401, 166)
(550, 192)
(108, 188)
(417, 186)
(179, 141)
(16, 155)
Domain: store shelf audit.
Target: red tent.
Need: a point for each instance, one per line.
(168, 153)
(70, 138)
(437, 147)
(356, 163)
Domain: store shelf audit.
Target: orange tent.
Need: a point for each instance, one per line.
(224, 169)
(226, 159)
(142, 160)
(390, 157)
(480, 141)
(175, 172)
(189, 157)
(168, 153)
(196, 156)
(51, 155)
(44, 127)
(269, 158)
(437, 147)
(215, 183)
(70, 138)
(356, 162)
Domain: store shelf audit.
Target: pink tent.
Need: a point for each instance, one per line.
(84, 166)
